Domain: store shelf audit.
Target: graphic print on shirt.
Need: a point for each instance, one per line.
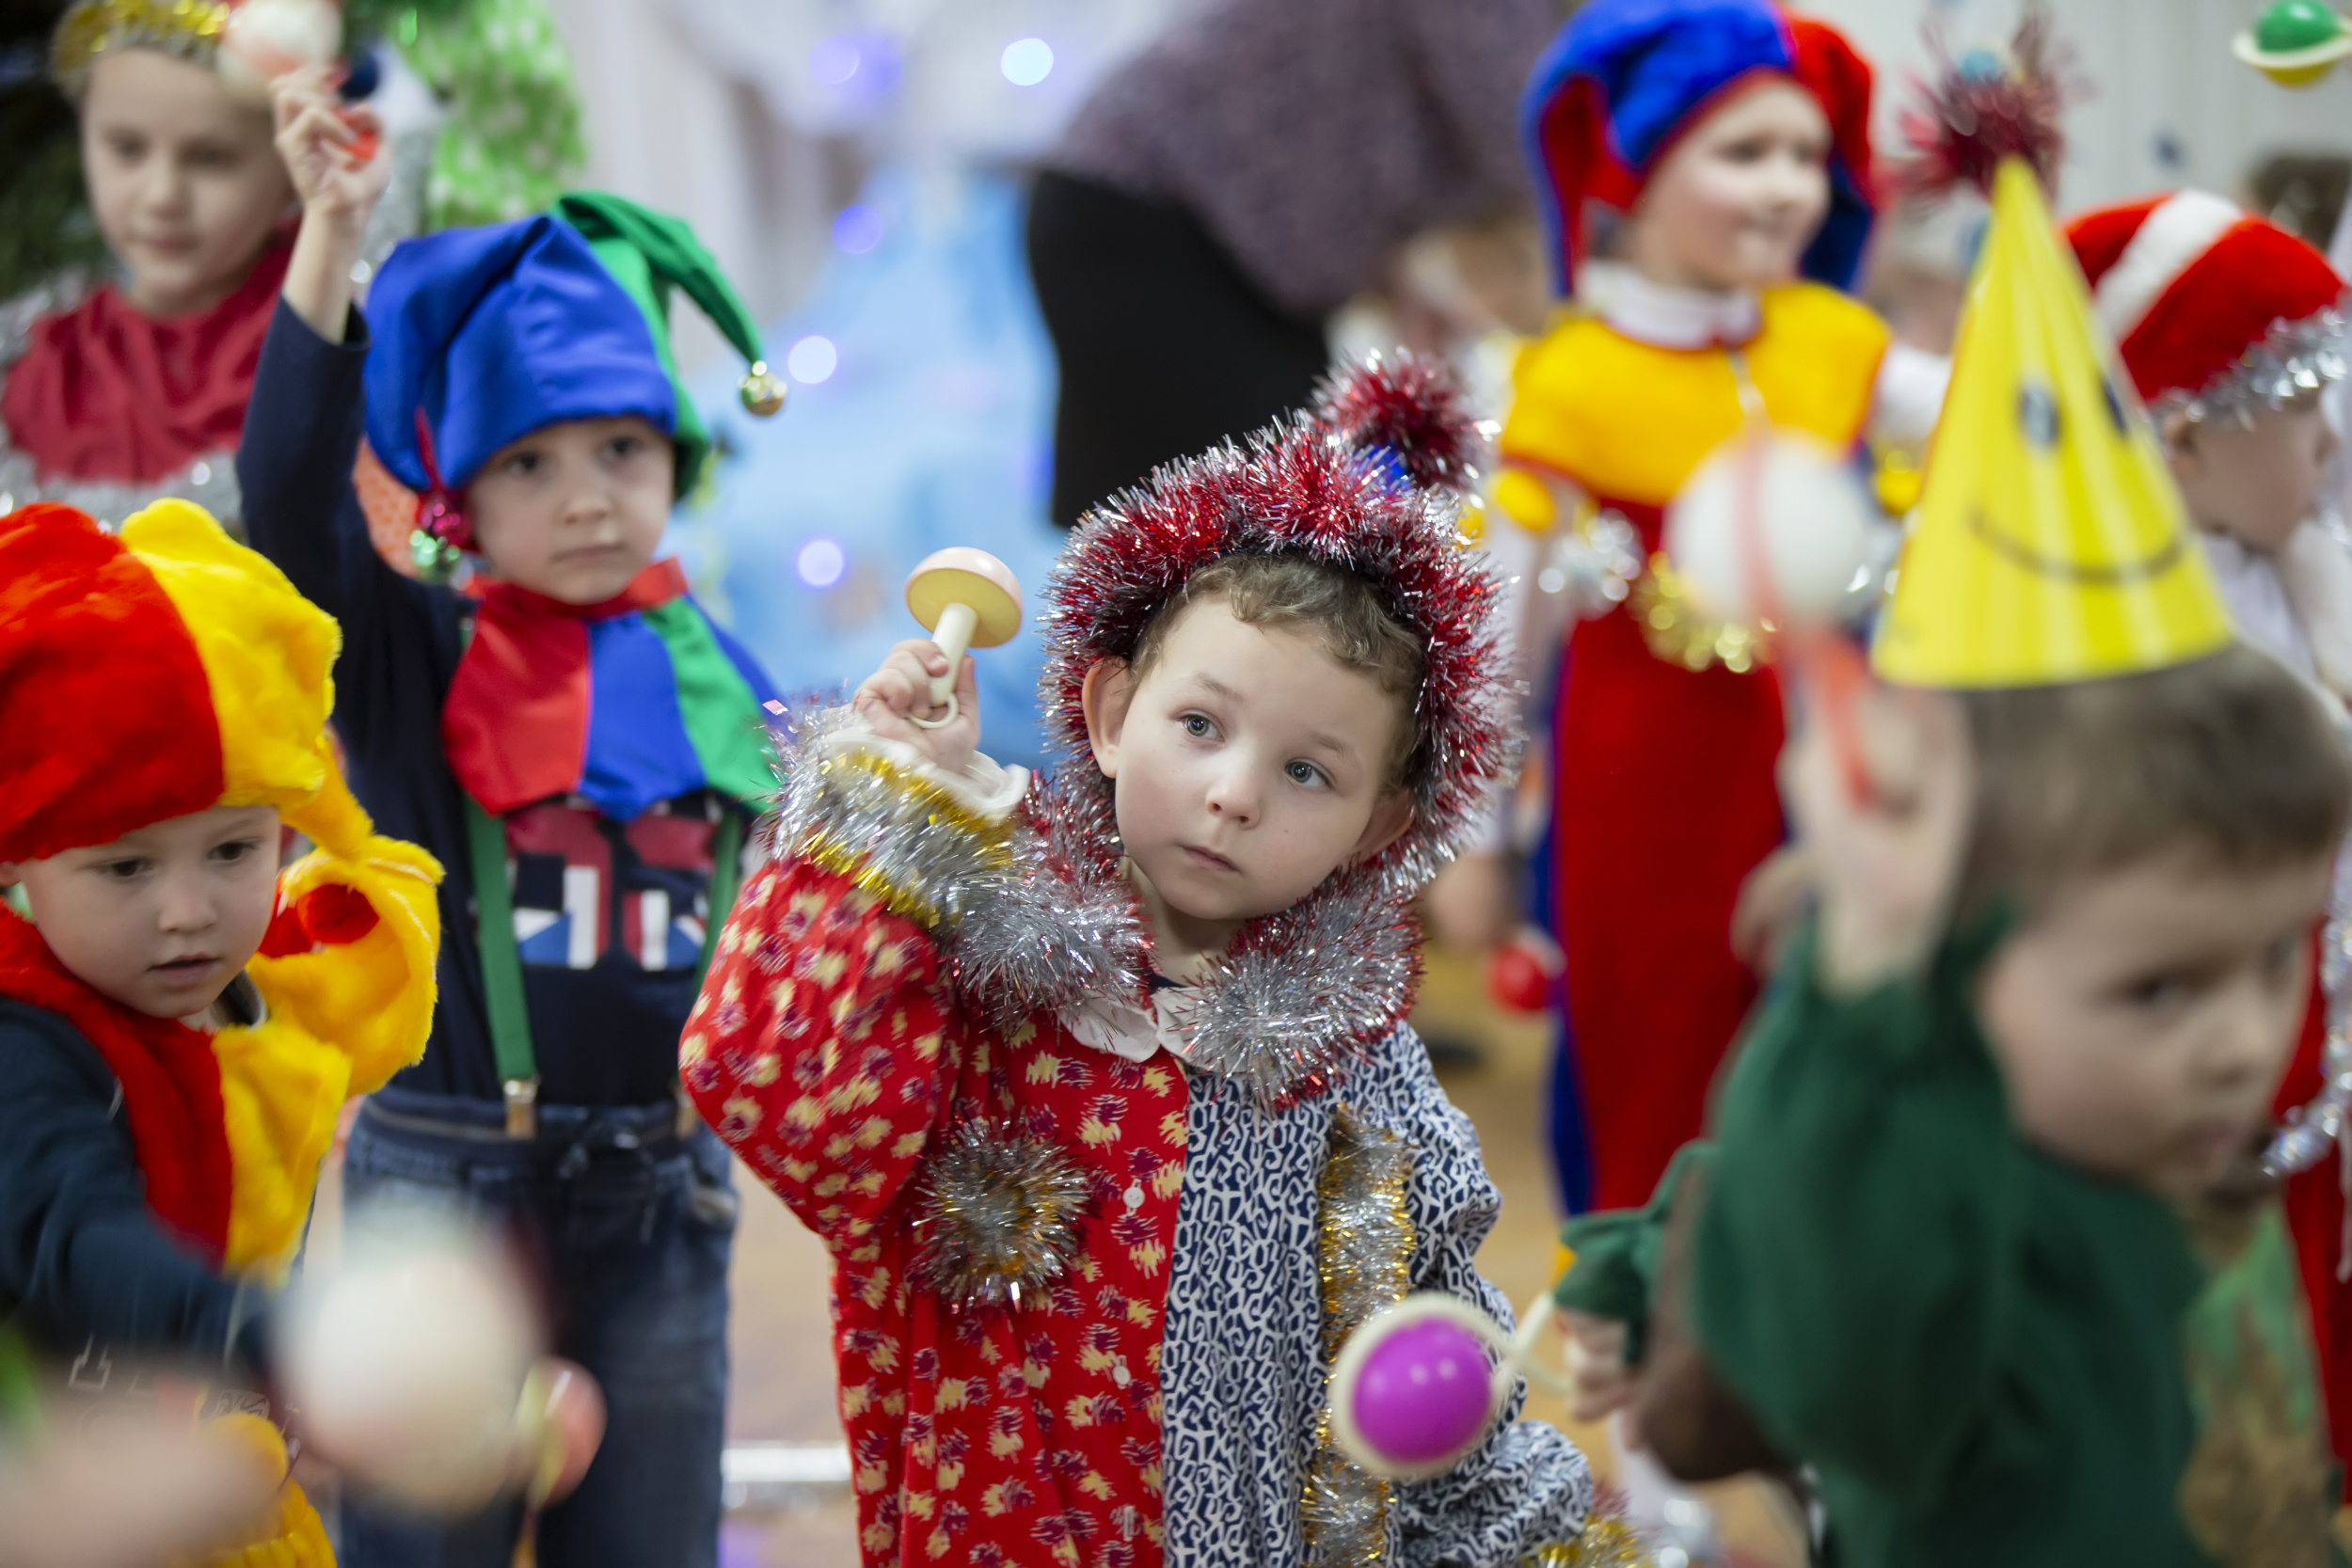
(586, 885)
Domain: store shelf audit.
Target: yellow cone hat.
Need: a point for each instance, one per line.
(2050, 545)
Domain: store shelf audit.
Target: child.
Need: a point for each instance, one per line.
(2229, 326)
(578, 741)
(120, 393)
(1733, 140)
(1981, 1239)
(1101, 1093)
(180, 1021)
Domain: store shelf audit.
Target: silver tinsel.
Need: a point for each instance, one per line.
(2314, 1129)
(996, 1217)
(2294, 357)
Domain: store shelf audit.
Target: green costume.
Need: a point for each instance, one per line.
(1990, 1357)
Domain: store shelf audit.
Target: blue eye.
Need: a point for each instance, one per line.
(1305, 773)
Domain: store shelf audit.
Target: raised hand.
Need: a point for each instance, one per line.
(333, 151)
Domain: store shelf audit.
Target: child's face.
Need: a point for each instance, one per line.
(2256, 482)
(1249, 763)
(161, 920)
(575, 510)
(1735, 202)
(184, 179)
(2142, 1022)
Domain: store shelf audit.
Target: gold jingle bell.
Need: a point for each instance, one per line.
(762, 391)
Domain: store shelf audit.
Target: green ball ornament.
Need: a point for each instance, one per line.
(2293, 24)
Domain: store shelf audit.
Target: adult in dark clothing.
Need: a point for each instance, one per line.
(1230, 187)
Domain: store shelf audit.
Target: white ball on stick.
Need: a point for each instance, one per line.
(1773, 525)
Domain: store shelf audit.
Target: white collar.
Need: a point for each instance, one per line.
(1665, 314)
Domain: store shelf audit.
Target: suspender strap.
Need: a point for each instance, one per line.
(503, 971)
(503, 963)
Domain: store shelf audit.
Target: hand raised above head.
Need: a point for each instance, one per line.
(895, 697)
(333, 151)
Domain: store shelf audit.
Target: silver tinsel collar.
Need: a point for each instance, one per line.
(2294, 357)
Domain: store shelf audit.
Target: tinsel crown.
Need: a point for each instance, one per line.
(190, 29)
(1371, 479)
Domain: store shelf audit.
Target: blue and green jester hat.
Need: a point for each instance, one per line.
(480, 336)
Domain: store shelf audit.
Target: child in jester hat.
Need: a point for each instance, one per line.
(1984, 1235)
(181, 1022)
(1101, 1091)
(581, 745)
(1718, 151)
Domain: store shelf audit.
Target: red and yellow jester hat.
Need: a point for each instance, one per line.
(156, 673)
(167, 671)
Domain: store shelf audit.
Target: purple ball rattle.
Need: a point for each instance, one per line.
(1416, 1388)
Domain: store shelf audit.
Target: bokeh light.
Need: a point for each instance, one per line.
(812, 360)
(1025, 62)
(821, 563)
(836, 60)
(857, 229)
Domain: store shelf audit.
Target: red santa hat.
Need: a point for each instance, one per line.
(2215, 310)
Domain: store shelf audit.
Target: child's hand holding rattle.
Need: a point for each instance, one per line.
(925, 695)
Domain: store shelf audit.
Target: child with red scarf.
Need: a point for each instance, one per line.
(578, 742)
(132, 389)
(1731, 140)
(181, 1022)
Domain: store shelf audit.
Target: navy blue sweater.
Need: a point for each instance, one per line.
(605, 1025)
(93, 1279)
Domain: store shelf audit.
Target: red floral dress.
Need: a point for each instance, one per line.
(830, 1052)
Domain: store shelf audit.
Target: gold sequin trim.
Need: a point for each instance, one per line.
(1678, 634)
(188, 29)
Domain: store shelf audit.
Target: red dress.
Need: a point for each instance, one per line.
(830, 1053)
(1664, 794)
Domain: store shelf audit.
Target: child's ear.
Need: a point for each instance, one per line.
(1105, 697)
(1392, 815)
(2177, 433)
(11, 873)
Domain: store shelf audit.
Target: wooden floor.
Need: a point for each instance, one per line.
(783, 1379)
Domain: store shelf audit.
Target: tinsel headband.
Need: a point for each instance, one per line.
(190, 29)
(1370, 480)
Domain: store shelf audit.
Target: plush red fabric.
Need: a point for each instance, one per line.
(1650, 853)
(2222, 304)
(105, 391)
(170, 1087)
(2314, 1206)
(327, 916)
(2256, 274)
(104, 707)
(515, 723)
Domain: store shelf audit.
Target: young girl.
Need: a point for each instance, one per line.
(1727, 140)
(118, 392)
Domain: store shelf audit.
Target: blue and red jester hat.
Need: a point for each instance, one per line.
(1626, 78)
(483, 335)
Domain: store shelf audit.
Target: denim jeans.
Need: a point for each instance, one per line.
(630, 1228)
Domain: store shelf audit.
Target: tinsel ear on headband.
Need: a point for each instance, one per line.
(1370, 480)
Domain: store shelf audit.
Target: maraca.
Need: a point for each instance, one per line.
(1772, 533)
(2294, 42)
(966, 599)
(264, 39)
(1418, 1386)
(414, 1367)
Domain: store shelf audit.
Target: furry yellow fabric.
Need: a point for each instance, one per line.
(293, 1536)
(342, 1019)
(1629, 420)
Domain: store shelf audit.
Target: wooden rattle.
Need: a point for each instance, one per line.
(968, 599)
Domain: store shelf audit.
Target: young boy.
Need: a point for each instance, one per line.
(1983, 1237)
(179, 1021)
(1101, 1093)
(581, 746)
